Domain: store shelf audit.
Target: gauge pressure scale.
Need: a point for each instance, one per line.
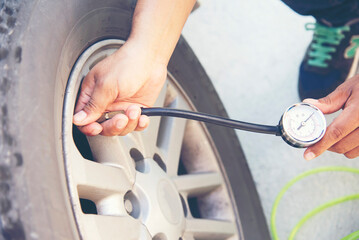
(302, 125)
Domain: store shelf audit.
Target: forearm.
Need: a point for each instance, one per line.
(157, 25)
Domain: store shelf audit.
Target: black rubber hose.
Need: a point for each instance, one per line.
(204, 117)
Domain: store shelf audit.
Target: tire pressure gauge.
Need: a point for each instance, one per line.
(302, 125)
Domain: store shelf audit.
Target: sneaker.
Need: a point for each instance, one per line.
(328, 59)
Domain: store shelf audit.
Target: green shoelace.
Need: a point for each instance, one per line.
(324, 41)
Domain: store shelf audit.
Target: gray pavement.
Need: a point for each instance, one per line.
(251, 50)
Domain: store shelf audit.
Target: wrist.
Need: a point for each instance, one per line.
(145, 52)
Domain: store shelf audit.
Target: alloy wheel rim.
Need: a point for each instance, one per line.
(163, 183)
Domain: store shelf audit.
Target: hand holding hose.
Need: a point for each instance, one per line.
(116, 84)
(133, 76)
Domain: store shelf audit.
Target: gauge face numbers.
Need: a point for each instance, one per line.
(303, 125)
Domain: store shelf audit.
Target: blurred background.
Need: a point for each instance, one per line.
(252, 49)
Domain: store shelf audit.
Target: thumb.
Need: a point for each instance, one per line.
(331, 103)
(94, 106)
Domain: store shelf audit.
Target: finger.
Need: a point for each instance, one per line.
(91, 129)
(334, 101)
(96, 104)
(143, 123)
(115, 125)
(347, 144)
(133, 113)
(344, 124)
(87, 87)
(352, 153)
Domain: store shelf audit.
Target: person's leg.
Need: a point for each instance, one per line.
(330, 55)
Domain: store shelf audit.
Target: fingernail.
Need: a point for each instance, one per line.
(133, 115)
(96, 131)
(80, 116)
(309, 156)
(142, 124)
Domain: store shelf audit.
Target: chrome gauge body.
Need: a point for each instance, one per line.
(302, 125)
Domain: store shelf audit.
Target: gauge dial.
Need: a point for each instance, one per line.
(302, 125)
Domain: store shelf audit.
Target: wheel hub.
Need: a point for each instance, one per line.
(164, 214)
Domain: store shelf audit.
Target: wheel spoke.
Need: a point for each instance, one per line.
(170, 142)
(110, 150)
(210, 229)
(171, 137)
(197, 184)
(111, 206)
(150, 134)
(110, 227)
(96, 181)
